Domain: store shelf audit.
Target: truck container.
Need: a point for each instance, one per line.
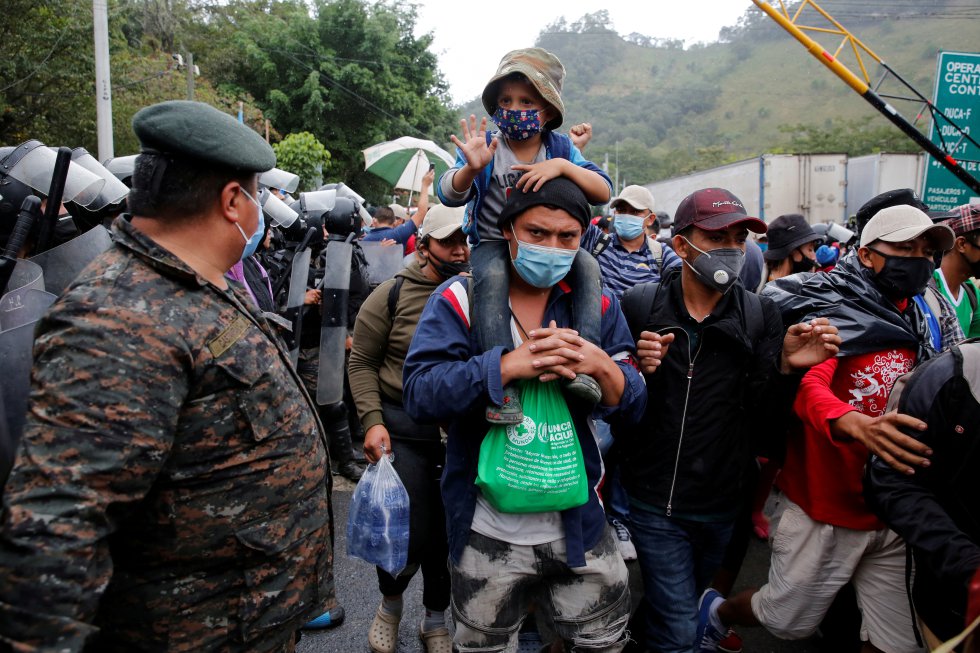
(872, 174)
(770, 185)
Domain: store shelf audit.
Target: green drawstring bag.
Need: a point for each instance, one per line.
(537, 465)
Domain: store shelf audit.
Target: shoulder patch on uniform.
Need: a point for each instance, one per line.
(229, 336)
(460, 301)
(605, 304)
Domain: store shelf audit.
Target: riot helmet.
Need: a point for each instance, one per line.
(122, 167)
(111, 200)
(345, 191)
(113, 192)
(287, 182)
(33, 164)
(343, 219)
(276, 210)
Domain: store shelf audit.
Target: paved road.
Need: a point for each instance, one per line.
(357, 590)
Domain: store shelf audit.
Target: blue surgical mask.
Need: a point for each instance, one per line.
(628, 226)
(518, 124)
(541, 266)
(252, 244)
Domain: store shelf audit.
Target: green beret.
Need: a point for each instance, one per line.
(198, 131)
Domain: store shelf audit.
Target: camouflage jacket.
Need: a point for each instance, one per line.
(171, 490)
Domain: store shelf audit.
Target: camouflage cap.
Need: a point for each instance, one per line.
(198, 131)
(541, 68)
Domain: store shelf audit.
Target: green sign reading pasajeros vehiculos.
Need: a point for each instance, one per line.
(958, 97)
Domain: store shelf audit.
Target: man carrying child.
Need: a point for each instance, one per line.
(524, 98)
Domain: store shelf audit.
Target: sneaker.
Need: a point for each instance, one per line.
(329, 619)
(510, 412)
(529, 641)
(584, 387)
(707, 637)
(730, 643)
(624, 540)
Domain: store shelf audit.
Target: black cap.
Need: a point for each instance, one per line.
(786, 233)
(560, 193)
(897, 197)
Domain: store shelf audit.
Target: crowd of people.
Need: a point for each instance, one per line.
(559, 394)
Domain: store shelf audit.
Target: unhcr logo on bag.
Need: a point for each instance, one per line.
(522, 434)
(555, 432)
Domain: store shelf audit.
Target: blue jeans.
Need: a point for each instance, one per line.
(490, 260)
(678, 558)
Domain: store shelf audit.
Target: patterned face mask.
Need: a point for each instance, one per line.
(518, 125)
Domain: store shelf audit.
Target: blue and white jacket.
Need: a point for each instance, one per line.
(448, 379)
(556, 146)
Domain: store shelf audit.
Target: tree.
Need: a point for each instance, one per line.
(303, 155)
(351, 73)
(866, 135)
(47, 88)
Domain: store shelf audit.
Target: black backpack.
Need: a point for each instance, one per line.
(638, 301)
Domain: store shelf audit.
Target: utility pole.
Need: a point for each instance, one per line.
(189, 57)
(616, 190)
(103, 85)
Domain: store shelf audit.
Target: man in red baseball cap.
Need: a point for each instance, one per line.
(712, 353)
(827, 535)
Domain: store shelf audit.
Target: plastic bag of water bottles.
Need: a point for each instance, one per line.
(377, 526)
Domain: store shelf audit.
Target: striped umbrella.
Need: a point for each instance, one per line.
(404, 161)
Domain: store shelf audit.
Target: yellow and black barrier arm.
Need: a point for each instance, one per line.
(862, 86)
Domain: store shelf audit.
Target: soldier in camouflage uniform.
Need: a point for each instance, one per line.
(172, 489)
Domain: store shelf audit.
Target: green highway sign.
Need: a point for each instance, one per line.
(957, 96)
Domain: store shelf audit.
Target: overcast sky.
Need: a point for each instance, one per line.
(471, 37)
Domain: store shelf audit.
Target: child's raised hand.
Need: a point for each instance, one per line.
(535, 174)
(474, 144)
(581, 134)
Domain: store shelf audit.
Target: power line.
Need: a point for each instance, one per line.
(44, 61)
(354, 94)
(119, 86)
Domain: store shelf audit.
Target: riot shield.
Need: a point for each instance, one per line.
(26, 276)
(298, 275)
(333, 330)
(15, 352)
(384, 262)
(63, 263)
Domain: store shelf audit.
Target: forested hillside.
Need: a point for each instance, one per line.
(670, 110)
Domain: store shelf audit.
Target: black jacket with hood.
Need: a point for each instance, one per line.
(708, 405)
(937, 509)
(848, 295)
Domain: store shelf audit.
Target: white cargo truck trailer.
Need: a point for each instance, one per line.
(770, 185)
(872, 174)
